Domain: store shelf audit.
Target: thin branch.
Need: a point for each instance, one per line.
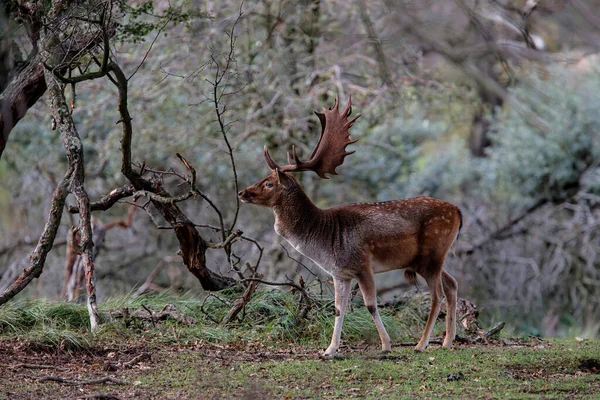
(230, 239)
(151, 45)
(501, 232)
(106, 379)
(253, 241)
(108, 366)
(91, 75)
(293, 259)
(106, 202)
(216, 98)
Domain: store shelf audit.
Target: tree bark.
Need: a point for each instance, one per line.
(38, 257)
(19, 96)
(193, 246)
(74, 149)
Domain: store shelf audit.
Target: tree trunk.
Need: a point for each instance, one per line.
(24, 90)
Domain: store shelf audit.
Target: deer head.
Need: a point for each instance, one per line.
(328, 154)
(270, 191)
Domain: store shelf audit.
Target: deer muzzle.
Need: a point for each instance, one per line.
(244, 195)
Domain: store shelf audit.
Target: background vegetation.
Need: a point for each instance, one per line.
(491, 105)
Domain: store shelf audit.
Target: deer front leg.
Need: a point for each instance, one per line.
(435, 289)
(342, 294)
(367, 287)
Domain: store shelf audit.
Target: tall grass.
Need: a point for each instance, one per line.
(271, 315)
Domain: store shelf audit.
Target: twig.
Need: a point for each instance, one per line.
(101, 396)
(246, 238)
(148, 282)
(105, 379)
(151, 314)
(231, 238)
(240, 303)
(494, 330)
(32, 366)
(412, 344)
(305, 267)
(108, 200)
(220, 74)
(150, 48)
(213, 319)
(135, 360)
(138, 359)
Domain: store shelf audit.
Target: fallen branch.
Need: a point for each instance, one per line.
(102, 396)
(135, 360)
(105, 379)
(151, 315)
(240, 303)
(32, 366)
(149, 284)
(494, 330)
(413, 344)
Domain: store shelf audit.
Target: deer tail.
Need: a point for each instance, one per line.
(410, 277)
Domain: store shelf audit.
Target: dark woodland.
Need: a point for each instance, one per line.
(127, 130)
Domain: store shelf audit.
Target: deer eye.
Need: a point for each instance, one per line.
(269, 185)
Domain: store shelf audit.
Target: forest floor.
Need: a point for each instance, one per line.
(176, 347)
(506, 368)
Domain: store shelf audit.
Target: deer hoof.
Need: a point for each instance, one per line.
(327, 356)
(420, 347)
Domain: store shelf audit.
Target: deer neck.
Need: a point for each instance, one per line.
(296, 215)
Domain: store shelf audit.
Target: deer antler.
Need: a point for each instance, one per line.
(331, 148)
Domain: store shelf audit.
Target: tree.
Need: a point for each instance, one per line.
(67, 24)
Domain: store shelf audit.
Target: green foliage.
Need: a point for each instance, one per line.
(141, 19)
(525, 162)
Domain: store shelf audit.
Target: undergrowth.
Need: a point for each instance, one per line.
(271, 316)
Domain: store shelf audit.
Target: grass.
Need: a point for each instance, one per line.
(270, 315)
(549, 370)
(269, 354)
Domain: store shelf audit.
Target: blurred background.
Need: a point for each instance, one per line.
(491, 105)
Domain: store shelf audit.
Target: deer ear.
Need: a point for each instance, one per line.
(283, 179)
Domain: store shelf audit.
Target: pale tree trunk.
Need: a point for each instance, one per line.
(74, 149)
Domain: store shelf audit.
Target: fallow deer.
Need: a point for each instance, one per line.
(356, 241)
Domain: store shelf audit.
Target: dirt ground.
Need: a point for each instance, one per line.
(212, 371)
(25, 370)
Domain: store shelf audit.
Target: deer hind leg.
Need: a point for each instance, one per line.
(342, 294)
(434, 282)
(451, 292)
(367, 287)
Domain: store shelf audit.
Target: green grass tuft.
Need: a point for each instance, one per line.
(270, 315)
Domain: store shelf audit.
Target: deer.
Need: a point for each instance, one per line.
(356, 241)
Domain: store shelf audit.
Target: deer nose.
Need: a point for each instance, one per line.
(241, 193)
